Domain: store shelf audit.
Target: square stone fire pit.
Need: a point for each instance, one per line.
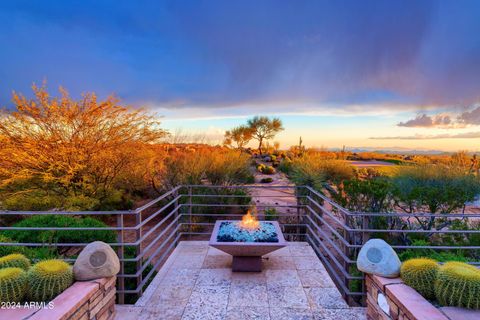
(247, 256)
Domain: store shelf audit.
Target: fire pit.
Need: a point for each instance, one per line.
(247, 241)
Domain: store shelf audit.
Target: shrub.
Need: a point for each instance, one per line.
(420, 274)
(6, 250)
(13, 284)
(266, 169)
(458, 285)
(441, 256)
(66, 236)
(49, 278)
(131, 268)
(285, 166)
(15, 260)
(436, 188)
(266, 180)
(271, 214)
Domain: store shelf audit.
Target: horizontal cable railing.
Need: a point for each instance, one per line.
(146, 236)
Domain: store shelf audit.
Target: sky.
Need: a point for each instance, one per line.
(377, 74)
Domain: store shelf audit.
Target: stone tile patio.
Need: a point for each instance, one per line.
(197, 283)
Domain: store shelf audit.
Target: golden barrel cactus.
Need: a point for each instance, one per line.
(49, 278)
(458, 285)
(13, 284)
(420, 274)
(15, 260)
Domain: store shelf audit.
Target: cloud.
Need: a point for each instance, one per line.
(216, 54)
(467, 135)
(441, 120)
(470, 117)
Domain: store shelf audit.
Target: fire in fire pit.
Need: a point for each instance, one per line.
(249, 222)
(247, 230)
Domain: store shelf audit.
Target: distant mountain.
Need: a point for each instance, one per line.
(392, 150)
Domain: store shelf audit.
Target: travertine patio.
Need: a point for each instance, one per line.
(196, 283)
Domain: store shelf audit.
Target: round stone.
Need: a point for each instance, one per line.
(97, 260)
(378, 257)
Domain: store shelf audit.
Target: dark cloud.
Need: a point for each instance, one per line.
(426, 121)
(221, 53)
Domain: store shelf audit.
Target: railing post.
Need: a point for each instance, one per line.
(346, 265)
(189, 212)
(175, 207)
(120, 252)
(138, 221)
(298, 212)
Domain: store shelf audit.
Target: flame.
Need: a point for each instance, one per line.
(249, 222)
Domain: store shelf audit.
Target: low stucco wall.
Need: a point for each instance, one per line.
(404, 303)
(86, 300)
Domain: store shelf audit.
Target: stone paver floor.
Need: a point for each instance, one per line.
(197, 283)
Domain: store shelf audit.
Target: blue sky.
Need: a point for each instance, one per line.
(336, 72)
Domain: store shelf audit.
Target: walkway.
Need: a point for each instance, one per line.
(197, 283)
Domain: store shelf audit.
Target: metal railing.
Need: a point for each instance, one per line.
(145, 237)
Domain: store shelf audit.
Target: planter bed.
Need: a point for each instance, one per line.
(404, 303)
(93, 299)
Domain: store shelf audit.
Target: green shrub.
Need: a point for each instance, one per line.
(458, 285)
(13, 284)
(271, 214)
(15, 260)
(441, 256)
(420, 274)
(131, 268)
(6, 250)
(58, 236)
(49, 278)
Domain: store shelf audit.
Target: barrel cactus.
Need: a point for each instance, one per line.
(15, 260)
(420, 274)
(49, 278)
(458, 285)
(13, 284)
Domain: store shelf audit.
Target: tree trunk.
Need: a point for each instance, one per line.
(260, 141)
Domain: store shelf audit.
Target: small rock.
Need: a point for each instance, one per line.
(378, 257)
(97, 260)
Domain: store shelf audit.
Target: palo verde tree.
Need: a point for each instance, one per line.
(264, 128)
(72, 151)
(240, 135)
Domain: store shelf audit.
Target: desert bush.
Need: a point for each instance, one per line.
(57, 236)
(227, 168)
(315, 172)
(441, 255)
(266, 169)
(266, 180)
(217, 166)
(434, 188)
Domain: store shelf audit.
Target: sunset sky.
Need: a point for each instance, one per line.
(381, 74)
